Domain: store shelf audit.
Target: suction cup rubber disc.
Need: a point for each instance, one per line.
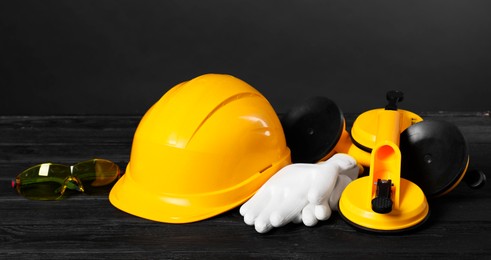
(434, 156)
(312, 129)
(355, 208)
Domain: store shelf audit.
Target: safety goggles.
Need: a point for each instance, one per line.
(49, 181)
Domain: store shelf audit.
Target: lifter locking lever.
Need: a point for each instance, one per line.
(382, 203)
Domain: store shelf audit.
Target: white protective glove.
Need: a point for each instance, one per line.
(300, 192)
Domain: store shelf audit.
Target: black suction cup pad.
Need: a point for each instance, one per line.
(312, 129)
(434, 156)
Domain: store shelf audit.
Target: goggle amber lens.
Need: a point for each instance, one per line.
(96, 174)
(48, 181)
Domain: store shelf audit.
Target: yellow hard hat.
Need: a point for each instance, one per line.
(204, 148)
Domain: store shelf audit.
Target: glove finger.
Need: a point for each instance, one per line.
(256, 202)
(262, 226)
(322, 211)
(262, 221)
(308, 216)
(297, 219)
(322, 185)
(254, 206)
(341, 184)
(347, 165)
(287, 211)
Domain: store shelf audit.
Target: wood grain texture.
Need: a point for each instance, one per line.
(88, 227)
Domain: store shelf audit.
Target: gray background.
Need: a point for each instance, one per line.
(119, 57)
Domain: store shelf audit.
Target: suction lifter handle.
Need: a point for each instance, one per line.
(394, 97)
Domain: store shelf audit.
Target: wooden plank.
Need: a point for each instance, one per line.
(83, 226)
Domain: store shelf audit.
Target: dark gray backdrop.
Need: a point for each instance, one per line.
(119, 57)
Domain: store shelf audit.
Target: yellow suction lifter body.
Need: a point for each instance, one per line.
(383, 201)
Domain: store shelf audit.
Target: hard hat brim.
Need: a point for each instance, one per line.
(133, 198)
(129, 196)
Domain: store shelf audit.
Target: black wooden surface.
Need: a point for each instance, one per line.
(85, 227)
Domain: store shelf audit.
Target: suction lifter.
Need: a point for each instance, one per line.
(383, 201)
